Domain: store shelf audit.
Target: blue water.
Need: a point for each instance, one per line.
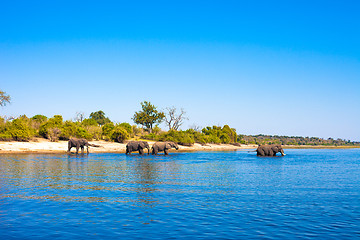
(205, 195)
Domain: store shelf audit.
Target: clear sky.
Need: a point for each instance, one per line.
(263, 67)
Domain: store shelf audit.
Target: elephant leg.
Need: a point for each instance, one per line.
(141, 151)
(260, 152)
(82, 149)
(166, 151)
(87, 149)
(77, 149)
(155, 151)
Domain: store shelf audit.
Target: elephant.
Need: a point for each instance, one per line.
(163, 146)
(80, 143)
(269, 150)
(137, 146)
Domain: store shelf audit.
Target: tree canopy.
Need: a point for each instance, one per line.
(4, 98)
(148, 116)
(99, 117)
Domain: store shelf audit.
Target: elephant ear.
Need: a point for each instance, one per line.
(275, 148)
(167, 145)
(141, 144)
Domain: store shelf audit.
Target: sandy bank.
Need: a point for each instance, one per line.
(45, 146)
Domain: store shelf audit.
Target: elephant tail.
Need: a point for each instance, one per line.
(94, 145)
(252, 151)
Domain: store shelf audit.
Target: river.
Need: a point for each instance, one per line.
(204, 195)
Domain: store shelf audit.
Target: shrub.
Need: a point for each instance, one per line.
(89, 122)
(39, 118)
(5, 136)
(53, 133)
(94, 131)
(82, 133)
(119, 134)
(126, 126)
(107, 130)
(19, 130)
(137, 131)
(220, 135)
(70, 129)
(67, 130)
(52, 123)
(180, 137)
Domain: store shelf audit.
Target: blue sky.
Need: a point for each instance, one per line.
(270, 67)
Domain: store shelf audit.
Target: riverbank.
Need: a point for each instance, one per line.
(45, 146)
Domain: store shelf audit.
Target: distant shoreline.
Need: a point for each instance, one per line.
(41, 146)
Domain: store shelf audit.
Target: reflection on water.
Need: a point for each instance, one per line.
(308, 193)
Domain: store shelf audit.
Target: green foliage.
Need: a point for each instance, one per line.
(126, 126)
(148, 116)
(94, 131)
(219, 135)
(19, 130)
(39, 118)
(89, 122)
(137, 131)
(156, 130)
(181, 137)
(70, 129)
(294, 140)
(107, 130)
(213, 134)
(99, 117)
(51, 128)
(119, 134)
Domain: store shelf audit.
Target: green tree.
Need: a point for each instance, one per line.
(148, 116)
(99, 117)
(4, 98)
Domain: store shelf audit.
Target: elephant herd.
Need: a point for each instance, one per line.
(157, 147)
(132, 146)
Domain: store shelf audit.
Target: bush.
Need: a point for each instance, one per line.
(53, 133)
(180, 137)
(5, 136)
(137, 131)
(119, 134)
(89, 122)
(94, 131)
(70, 129)
(126, 126)
(19, 130)
(39, 118)
(53, 123)
(107, 130)
(220, 135)
(67, 130)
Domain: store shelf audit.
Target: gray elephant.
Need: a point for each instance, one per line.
(137, 146)
(163, 146)
(80, 143)
(269, 150)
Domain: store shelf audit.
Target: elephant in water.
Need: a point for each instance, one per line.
(137, 146)
(80, 143)
(163, 146)
(269, 150)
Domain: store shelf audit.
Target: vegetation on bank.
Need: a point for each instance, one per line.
(99, 127)
(294, 140)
